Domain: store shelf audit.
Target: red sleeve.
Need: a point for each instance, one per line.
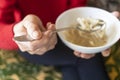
(9, 14)
(6, 35)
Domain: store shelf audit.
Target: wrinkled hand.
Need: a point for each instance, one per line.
(83, 55)
(44, 41)
(104, 53)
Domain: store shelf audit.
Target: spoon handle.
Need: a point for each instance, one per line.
(25, 38)
(62, 29)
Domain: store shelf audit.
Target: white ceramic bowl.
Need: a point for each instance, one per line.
(112, 29)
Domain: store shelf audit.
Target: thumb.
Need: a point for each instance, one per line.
(32, 29)
(106, 52)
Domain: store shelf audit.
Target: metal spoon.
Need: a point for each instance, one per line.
(24, 38)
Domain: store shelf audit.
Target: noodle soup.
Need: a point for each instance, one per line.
(86, 39)
(91, 33)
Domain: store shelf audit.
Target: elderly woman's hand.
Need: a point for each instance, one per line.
(44, 39)
(88, 56)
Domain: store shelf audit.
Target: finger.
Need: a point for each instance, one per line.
(83, 55)
(86, 56)
(50, 26)
(19, 29)
(34, 19)
(22, 47)
(116, 13)
(106, 53)
(32, 29)
(76, 53)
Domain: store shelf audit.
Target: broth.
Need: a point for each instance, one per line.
(87, 39)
